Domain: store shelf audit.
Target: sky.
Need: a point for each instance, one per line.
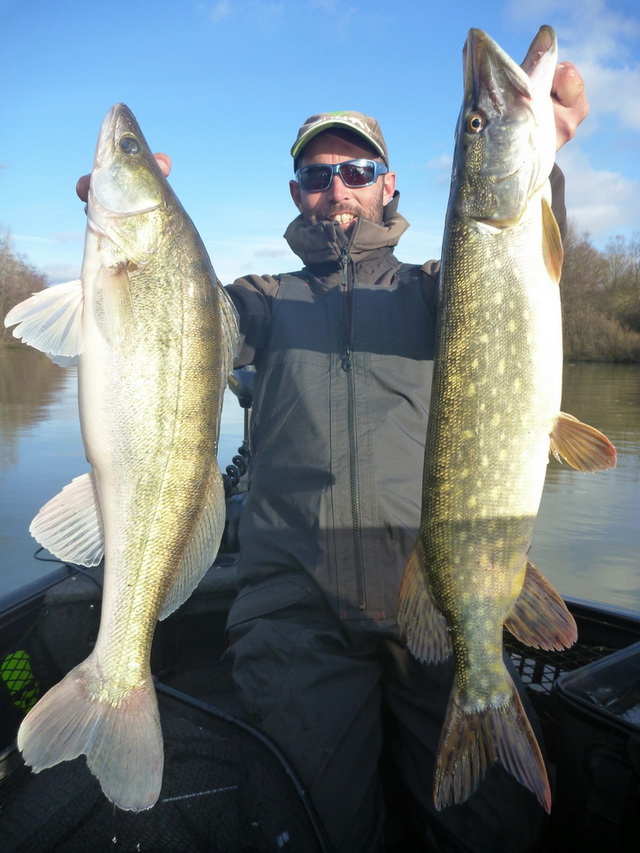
(223, 85)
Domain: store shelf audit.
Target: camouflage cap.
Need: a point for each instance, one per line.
(359, 123)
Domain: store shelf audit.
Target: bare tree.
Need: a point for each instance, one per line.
(18, 279)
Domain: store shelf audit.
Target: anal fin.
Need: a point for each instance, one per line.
(421, 622)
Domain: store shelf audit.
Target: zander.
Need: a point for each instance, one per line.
(154, 336)
(495, 414)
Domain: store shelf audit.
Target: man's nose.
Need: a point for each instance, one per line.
(338, 189)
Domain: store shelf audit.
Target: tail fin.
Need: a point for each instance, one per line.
(121, 737)
(472, 740)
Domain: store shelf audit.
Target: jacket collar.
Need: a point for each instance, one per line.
(323, 243)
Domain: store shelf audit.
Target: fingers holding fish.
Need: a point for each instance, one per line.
(570, 103)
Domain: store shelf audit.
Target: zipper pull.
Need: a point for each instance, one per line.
(344, 260)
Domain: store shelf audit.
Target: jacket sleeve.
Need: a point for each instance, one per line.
(253, 297)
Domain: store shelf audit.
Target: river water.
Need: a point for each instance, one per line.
(587, 536)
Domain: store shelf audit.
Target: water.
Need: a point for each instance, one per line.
(587, 537)
(41, 451)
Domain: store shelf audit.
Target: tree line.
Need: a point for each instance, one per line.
(18, 280)
(600, 295)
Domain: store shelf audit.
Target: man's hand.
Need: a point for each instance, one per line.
(570, 104)
(82, 187)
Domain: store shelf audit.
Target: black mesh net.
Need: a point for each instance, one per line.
(225, 789)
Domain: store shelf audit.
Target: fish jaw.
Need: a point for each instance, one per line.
(505, 134)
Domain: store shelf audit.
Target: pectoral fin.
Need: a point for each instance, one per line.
(540, 618)
(421, 622)
(552, 250)
(116, 320)
(51, 321)
(582, 446)
(70, 524)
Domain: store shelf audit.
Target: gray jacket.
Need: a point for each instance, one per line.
(344, 354)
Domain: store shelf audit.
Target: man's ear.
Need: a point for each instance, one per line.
(389, 184)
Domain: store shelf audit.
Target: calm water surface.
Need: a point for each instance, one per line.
(587, 537)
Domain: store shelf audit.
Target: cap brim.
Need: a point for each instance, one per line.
(320, 127)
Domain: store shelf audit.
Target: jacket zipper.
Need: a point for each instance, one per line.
(348, 329)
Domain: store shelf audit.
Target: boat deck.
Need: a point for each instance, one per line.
(226, 787)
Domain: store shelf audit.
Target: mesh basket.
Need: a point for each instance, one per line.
(226, 789)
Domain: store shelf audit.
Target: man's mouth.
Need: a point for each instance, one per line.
(343, 219)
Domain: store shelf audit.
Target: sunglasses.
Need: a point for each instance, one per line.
(354, 173)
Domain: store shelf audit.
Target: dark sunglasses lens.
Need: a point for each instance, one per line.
(315, 178)
(356, 176)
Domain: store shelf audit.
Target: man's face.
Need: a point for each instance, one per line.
(340, 203)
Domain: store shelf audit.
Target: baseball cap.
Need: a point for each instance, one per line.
(359, 123)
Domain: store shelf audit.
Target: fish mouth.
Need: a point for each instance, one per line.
(491, 76)
(126, 178)
(118, 121)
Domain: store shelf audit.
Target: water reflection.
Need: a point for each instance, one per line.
(29, 383)
(587, 536)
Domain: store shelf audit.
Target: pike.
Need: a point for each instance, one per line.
(494, 417)
(154, 334)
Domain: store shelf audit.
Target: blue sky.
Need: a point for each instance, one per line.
(222, 86)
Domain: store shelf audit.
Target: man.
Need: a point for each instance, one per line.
(344, 356)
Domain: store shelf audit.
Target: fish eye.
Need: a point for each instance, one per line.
(129, 145)
(476, 122)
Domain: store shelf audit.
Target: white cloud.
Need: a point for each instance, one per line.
(59, 273)
(256, 11)
(600, 202)
(601, 38)
(68, 237)
(236, 256)
(218, 11)
(441, 167)
(32, 238)
(612, 91)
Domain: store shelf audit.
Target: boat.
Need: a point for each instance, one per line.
(227, 788)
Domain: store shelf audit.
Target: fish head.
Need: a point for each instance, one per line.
(505, 137)
(128, 193)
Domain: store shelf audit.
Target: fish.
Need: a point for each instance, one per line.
(154, 334)
(495, 415)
